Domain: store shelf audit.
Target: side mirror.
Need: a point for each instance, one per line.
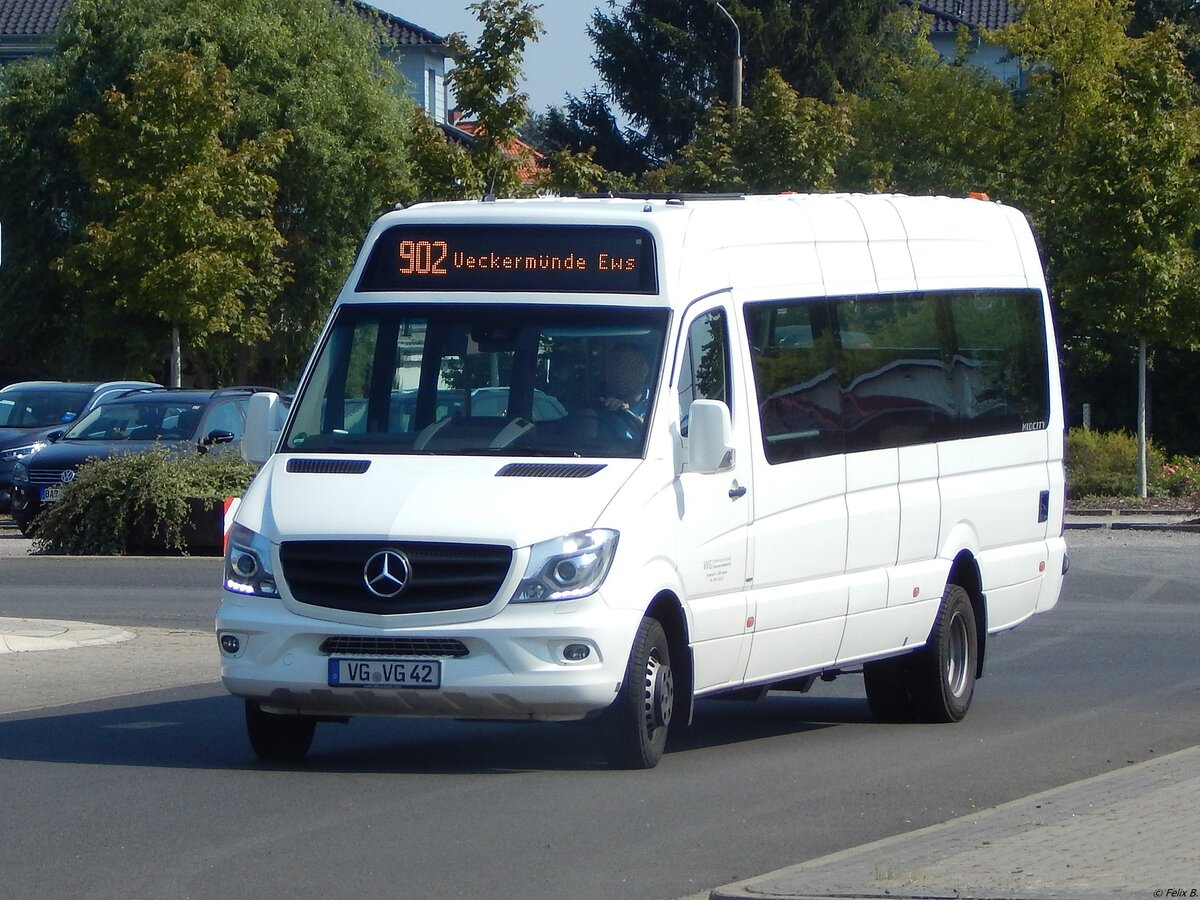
(710, 437)
(54, 436)
(261, 437)
(217, 436)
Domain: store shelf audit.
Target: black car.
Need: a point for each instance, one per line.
(188, 420)
(31, 410)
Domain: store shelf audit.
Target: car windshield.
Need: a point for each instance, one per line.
(40, 409)
(159, 421)
(536, 380)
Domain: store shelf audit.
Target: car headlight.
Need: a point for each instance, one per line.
(22, 452)
(20, 472)
(567, 568)
(248, 564)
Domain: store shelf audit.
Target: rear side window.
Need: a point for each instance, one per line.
(859, 373)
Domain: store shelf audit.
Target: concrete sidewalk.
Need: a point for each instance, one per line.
(1131, 834)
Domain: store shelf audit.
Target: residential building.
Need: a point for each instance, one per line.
(976, 16)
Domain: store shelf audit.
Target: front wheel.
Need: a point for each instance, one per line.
(641, 716)
(278, 738)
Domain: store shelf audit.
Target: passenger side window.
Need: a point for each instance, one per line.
(224, 417)
(856, 373)
(704, 374)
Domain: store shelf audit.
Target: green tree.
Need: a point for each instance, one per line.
(191, 237)
(780, 141)
(1111, 135)
(928, 125)
(666, 61)
(485, 78)
(310, 67)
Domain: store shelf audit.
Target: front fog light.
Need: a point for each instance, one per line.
(230, 644)
(567, 568)
(576, 652)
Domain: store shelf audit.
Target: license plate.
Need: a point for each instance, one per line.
(51, 494)
(385, 673)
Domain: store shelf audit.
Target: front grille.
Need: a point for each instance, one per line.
(394, 646)
(441, 576)
(46, 476)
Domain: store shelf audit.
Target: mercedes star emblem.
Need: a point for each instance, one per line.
(386, 573)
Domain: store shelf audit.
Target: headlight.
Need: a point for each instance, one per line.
(20, 472)
(567, 568)
(248, 564)
(22, 452)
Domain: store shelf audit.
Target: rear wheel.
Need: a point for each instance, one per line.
(944, 672)
(639, 719)
(277, 738)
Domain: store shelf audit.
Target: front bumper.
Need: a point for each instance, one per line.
(515, 667)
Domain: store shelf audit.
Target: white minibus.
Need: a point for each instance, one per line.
(596, 458)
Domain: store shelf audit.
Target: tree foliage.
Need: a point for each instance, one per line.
(305, 67)
(1108, 141)
(782, 141)
(666, 61)
(486, 78)
(189, 235)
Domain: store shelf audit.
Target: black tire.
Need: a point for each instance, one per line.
(278, 738)
(641, 716)
(943, 674)
(888, 693)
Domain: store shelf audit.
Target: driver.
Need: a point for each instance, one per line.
(625, 373)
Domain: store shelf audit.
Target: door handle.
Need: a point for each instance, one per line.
(738, 490)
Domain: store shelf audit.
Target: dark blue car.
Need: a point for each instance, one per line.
(188, 420)
(31, 410)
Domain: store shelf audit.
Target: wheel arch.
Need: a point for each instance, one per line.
(964, 572)
(667, 609)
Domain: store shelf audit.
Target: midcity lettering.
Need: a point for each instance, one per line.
(604, 262)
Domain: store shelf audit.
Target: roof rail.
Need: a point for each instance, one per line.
(679, 196)
(244, 388)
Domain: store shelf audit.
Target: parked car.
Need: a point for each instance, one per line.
(31, 410)
(188, 420)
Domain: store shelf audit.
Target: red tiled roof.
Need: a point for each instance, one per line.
(535, 161)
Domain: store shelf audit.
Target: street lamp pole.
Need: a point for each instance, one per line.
(737, 56)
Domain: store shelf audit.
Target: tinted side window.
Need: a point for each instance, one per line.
(796, 378)
(893, 370)
(1000, 362)
(704, 374)
(866, 372)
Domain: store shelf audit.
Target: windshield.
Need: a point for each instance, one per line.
(539, 380)
(40, 409)
(160, 421)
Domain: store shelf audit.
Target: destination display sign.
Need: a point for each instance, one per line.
(551, 258)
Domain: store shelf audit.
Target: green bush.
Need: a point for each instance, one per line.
(1104, 464)
(117, 506)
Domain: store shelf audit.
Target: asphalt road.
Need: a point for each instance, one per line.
(156, 794)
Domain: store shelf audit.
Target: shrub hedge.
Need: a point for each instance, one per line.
(1104, 464)
(124, 504)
